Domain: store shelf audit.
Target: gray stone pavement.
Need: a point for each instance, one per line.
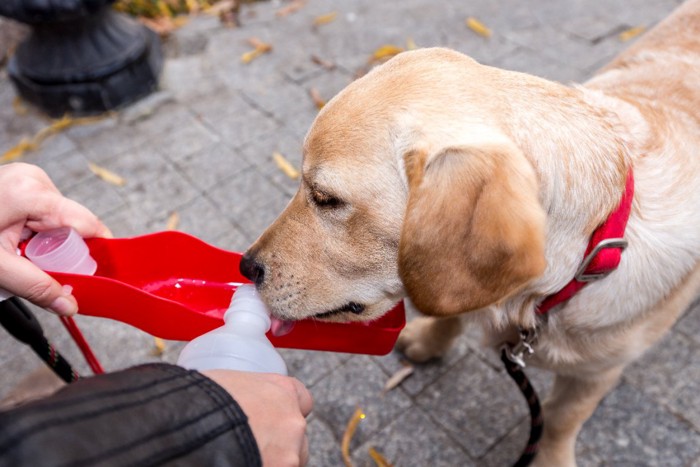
(203, 147)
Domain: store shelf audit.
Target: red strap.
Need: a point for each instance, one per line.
(608, 242)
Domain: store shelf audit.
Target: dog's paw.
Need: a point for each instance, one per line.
(420, 342)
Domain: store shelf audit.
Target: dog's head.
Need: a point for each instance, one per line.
(396, 199)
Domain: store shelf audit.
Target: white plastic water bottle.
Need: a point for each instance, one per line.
(240, 344)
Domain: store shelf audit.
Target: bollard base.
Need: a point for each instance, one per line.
(103, 63)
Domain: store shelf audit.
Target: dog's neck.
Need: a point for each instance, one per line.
(581, 170)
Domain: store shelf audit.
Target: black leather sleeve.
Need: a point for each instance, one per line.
(154, 414)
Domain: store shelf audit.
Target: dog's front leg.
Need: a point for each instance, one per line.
(571, 402)
(425, 337)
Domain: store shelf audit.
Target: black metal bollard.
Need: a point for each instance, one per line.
(82, 57)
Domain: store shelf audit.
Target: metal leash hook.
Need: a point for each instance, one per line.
(513, 357)
(524, 348)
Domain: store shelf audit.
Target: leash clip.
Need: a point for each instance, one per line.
(524, 348)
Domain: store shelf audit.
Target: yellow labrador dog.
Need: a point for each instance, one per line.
(474, 190)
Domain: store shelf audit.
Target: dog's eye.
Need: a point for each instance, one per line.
(324, 200)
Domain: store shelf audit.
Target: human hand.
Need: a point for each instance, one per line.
(31, 200)
(276, 407)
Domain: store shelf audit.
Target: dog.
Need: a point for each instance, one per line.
(475, 191)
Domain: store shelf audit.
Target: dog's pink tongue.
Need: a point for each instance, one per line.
(280, 327)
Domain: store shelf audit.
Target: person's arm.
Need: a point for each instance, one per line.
(148, 415)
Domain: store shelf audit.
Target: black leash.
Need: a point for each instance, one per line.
(533, 403)
(21, 323)
(512, 358)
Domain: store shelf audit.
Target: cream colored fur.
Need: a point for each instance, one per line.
(474, 191)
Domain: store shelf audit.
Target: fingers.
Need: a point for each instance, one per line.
(36, 200)
(53, 211)
(276, 407)
(306, 402)
(25, 280)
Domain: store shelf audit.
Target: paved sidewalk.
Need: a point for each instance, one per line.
(203, 145)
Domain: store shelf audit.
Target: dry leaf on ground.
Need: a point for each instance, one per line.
(173, 221)
(328, 65)
(226, 10)
(220, 7)
(285, 166)
(478, 27)
(193, 6)
(398, 378)
(56, 126)
(163, 7)
(292, 7)
(163, 25)
(158, 346)
(378, 459)
(316, 97)
(386, 51)
(17, 151)
(106, 175)
(631, 33)
(325, 19)
(357, 416)
(260, 48)
(157, 8)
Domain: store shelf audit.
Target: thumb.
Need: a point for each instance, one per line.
(22, 278)
(306, 402)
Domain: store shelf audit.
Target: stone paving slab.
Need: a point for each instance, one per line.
(203, 145)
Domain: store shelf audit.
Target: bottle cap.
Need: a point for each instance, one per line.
(61, 250)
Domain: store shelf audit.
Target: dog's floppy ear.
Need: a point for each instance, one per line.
(473, 233)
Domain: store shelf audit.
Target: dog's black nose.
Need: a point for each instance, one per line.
(251, 269)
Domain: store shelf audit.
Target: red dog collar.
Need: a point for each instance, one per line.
(603, 253)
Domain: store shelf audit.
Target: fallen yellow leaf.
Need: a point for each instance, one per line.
(410, 44)
(478, 27)
(347, 436)
(260, 48)
(32, 144)
(18, 151)
(292, 7)
(158, 346)
(106, 175)
(57, 126)
(325, 19)
(378, 459)
(221, 7)
(631, 33)
(192, 6)
(316, 97)
(386, 51)
(173, 221)
(285, 166)
(398, 378)
(163, 8)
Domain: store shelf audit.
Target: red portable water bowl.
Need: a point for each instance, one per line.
(175, 286)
